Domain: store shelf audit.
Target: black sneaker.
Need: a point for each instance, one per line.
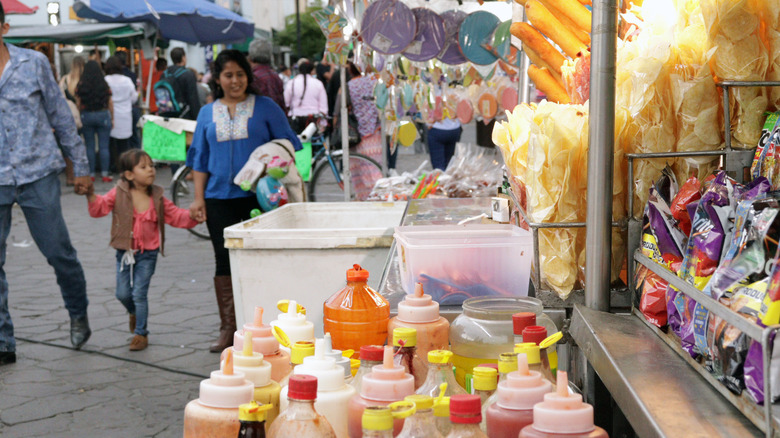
(7, 357)
(79, 331)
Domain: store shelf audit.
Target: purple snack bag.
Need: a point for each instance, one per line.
(754, 371)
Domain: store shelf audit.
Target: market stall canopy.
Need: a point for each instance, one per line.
(17, 7)
(82, 33)
(191, 21)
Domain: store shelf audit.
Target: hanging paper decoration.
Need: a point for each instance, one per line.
(451, 54)
(476, 32)
(430, 37)
(388, 26)
(332, 25)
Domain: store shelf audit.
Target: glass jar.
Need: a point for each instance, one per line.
(484, 330)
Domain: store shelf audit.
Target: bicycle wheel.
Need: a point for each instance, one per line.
(324, 187)
(183, 194)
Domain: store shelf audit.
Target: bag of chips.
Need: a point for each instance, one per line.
(689, 193)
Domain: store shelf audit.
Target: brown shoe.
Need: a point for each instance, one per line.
(139, 343)
(223, 286)
(132, 323)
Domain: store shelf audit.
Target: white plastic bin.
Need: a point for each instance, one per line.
(456, 262)
(302, 252)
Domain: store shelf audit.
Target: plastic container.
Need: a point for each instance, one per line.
(420, 312)
(475, 260)
(465, 415)
(301, 419)
(385, 384)
(520, 321)
(484, 330)
(215, 411)
(265, 343)
(405, 342)
(563, 415)
(339, 357)
(258, 371)
(440, 371)
(441, 410)
(378, 421)
(547, 345)
(294, 324)
(516, 397)
(485, 382)
(300, 351)
(356, 315)
(333, 394)
(423, 423)
(507, 363)
(370, 356)
(253, 420)
(322, 237)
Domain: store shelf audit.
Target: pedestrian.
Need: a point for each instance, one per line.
(160, 65)
(265, 81)
(139, 214)
(443, 135)
(35, 118)
(97, 116)
(124, 94)
(124, 57)
(305, 97)
(180, 98)
(203, 89)
(68, 85)
(227, 132)
(285, 74)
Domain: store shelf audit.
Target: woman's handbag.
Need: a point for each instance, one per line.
(353, 133)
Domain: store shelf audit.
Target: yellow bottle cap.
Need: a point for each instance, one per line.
(281, 336)
(402, 409)
(253, 412)
(406, 336)
(439, 356)
(507, 362)
(284, 305)
(531, 350)
(442, 407)
(485, 379)
(300, 350)
(377, 418)
(421, 402)
(551, 340)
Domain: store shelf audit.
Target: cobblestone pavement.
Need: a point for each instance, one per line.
(105, 390)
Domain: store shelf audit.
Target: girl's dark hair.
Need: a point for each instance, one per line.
(92, 88)
(352, 69)
(218, 65)
(128, 160)
(305, 70)
(113, 66)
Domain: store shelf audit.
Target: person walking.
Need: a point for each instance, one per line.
(97, 116)
(123, 94)
(265, 81)
(305, 96)
(68, 85)
(139, 214)
(442, 138)
(227, 132)
(183, 91)
(35, 117)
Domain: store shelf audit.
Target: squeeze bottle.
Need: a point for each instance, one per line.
(440, 371)
(441, 410)
(265, 343)
(300, 350)
(517, 396)
(301, 419)
(385, 384)
(507, 363)
(420, 312)
(485, 382)
(294, 324)
(520, 321)
(215, 411)
(339, 357)
(258, 371)
(405, 341)
(370, 356)
(377, 421)
(465, 415)
(549, 356)
(563, 415)
(333, 394)
(422, 424)
(532, 352)
(356, 315)
(253, 419)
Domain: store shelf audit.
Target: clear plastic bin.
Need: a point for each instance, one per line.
(457, 262)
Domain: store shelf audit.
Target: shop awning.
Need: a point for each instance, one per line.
(17, 7)
(82, 33)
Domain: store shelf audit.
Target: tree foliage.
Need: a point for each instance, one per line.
(312, 39)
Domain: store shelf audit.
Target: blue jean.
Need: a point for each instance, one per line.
(134, 297)
(441, 146)
(40, 203)
(97, 123)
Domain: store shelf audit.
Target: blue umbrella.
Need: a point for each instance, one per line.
(191, 21)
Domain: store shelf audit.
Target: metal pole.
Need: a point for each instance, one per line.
(298, 27)
(346, 174)
(525, 82)
(151, 73)
(601, 140)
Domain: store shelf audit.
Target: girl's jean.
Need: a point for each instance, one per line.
(97, 123)
(134, 297)
(441, 145)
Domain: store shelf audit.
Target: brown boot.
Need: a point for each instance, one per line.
(139, 343)
(223, 285)
(132, 323)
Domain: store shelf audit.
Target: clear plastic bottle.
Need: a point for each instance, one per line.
(294, 324)
(378, 421)
(300, 419)
(440, 371)
(420, 312)
(356, 315)
(265, 343)
(465, 415)
(300, 350)
(258, 371)
(532, 352)
(253, 420)
(405, 341)
(441, 410)
(485, 382)
(422, 424)
(370, 356)
(520, 321)
(549, 356)
(507, 363)
(562, 415)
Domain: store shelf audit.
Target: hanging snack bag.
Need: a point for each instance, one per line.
(754, 370)
(689, 193)
(770, 126)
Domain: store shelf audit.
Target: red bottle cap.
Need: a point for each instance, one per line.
(373, 353)
(357, 273)
(465, 409)
(522, 320)
(535, 334)
(302, 387)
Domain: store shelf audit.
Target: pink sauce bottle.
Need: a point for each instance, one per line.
(215, 411)
(517, 395)
(385, 384)
(370, 356)
(300, 419)
(563, 415)
(264, 342)
(420, 312)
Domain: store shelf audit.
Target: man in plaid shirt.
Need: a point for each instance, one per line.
(266, 82)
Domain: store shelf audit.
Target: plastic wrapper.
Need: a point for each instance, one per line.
(772, 28)
(754, 371)
(689, 193)
(757, 168)
(576, 78)
(652, 302)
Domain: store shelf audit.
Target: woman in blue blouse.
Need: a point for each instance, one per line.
(228, 130)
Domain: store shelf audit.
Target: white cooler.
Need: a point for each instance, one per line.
(302, 252)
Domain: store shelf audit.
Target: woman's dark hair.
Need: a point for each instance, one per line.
(305, 70)
(92, 88)
(352, 69)
(218, 65)
(113, 66)
(128, 160)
